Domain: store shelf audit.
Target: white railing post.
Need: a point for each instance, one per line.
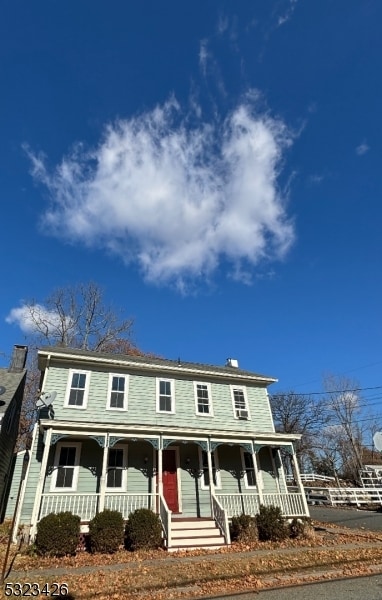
(40, 483)
(298, 480)
(259, 480)
(160, 468)
(102, 486)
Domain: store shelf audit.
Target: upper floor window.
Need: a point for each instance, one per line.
(78, 387)
(203, 399)
(66, 463)
(116, 468)
(240, 404)
(165, 395)
(117, 395)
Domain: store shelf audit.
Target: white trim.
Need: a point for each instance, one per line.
(125, 395)
(236, 411)
(247, 486)
(208, 385)
(218, 484)
(172, 383)
(69, 387)
(73, 488)
(123, 487)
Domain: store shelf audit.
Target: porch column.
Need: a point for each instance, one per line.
(259, 479)
(102, 485)
(210, 477)
(160, 467)
(40, 483)
(299, 480)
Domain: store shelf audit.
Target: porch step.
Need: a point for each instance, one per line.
(191, 534)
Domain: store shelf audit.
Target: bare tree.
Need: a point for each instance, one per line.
(343, 408)
(299, 413)
(76, 317)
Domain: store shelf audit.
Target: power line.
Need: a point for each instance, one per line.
(376, 387)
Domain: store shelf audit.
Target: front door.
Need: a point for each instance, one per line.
(170, 480)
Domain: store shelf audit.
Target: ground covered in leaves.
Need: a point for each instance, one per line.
(194, 574)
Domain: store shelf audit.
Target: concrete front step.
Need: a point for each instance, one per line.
(194, 534)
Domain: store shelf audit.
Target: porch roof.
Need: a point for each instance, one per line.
(136, 430)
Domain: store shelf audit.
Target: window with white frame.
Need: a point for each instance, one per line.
(203, 457)
(78, 386)
(203, 399)
(116, 468)
(249, 469)
(165, 396)
(240, 405)
(66, 461)
(117, 395)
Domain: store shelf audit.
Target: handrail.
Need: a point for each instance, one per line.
(221, 518)
(165, 517)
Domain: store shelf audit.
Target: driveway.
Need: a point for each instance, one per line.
(347, 517)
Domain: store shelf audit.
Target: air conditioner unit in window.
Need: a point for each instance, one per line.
(242, 414)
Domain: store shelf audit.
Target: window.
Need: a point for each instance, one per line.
(117, 394)
(66, 462)
(204, 468)
(203, 399)
(116, 468)
(249, 469)
(78, 386)
(165, 401)
(240, 406)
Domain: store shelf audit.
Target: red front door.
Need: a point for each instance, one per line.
(170, 480)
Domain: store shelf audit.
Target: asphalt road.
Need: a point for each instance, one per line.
(360, 588)
(348, 517)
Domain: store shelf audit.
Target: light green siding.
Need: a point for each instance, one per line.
(142, 403)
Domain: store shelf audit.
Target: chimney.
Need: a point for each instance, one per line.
(232, 362)
(19, 358)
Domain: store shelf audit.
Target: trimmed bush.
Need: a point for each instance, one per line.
(300, 528)
(244, 529)
(143, 530)
(106, 532)
(271, 524)
(58, 534)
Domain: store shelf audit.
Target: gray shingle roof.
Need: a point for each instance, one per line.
(11, 382)
(156, 362)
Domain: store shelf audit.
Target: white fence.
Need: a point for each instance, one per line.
(311, 477)
(352, 496)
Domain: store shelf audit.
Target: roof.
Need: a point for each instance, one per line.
(150, 363)
(11, 383)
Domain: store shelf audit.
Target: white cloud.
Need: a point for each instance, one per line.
(362, 149)
(203, 56)
(28, 318)
(177, 200)
(284, 18)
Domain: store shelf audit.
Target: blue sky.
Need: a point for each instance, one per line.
(214, 166)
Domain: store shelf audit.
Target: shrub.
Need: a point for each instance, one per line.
(143, 530)
(106, 531)
(271, 524)
(244, 529)
(58, 534)
(300, 528)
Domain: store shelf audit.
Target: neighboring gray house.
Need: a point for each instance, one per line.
(12, 382)
(194, 442)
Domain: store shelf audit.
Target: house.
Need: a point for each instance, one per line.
(194, 442)
(12, 382)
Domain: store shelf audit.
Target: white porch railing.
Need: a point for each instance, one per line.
(165, 517)
(128, 503)
(291, 505)
(221, 519)
(84, 505)
(311, 477)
